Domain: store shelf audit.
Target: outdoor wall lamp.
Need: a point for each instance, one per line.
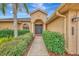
(75, 19)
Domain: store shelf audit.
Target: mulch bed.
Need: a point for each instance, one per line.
(65, 54)
(53, 54)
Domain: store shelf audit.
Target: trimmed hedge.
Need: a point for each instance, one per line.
(54, 42)
(10, 33)
(6, 33)
(24, 31)
(17, 46)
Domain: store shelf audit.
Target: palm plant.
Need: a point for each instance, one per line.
(15, 7)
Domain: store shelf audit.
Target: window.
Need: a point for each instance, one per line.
(25, 26)
(72, 30)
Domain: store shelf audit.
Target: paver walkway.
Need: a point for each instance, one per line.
(38, 47)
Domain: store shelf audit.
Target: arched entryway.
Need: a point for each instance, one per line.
(38, 26)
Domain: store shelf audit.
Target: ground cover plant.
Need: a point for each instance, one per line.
(54, 42)
(16, 46)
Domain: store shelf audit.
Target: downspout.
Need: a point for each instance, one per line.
(59, 14)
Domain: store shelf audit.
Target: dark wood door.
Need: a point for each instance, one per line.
(38, 28)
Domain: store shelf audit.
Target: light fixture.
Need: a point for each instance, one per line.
(75, 19)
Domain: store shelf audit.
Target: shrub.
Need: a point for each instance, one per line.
(17, 46)
(3, 40)
(54, 42)
(10, 33)
(24, 31)
(6, 33)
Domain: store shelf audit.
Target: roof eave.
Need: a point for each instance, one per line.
(38, 10)
(18, 19)
(54, 14)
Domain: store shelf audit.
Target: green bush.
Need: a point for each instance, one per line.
(17, 46)
(54, 42)
(10, 33)
(6, 33)
(3, 40)
(24, 31)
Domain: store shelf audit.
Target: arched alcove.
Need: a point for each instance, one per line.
(38, 26)
(38, 21)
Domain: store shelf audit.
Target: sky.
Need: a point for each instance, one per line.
(50, 8)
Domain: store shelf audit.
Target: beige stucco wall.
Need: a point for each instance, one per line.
(38, 15)
(6, 25)
(56, 26)
(9, 25)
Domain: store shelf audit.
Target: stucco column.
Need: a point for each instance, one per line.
(44, 27)
(65, 33)
(69, 37)
(32, 28)
(78, 34)
(21, 27)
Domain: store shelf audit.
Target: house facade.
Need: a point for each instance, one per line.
(65, 20)
(36, 24)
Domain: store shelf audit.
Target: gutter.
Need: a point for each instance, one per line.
(59, 14)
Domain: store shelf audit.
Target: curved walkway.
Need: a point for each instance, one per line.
(38, 47)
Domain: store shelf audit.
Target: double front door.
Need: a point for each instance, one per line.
(38, 28)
